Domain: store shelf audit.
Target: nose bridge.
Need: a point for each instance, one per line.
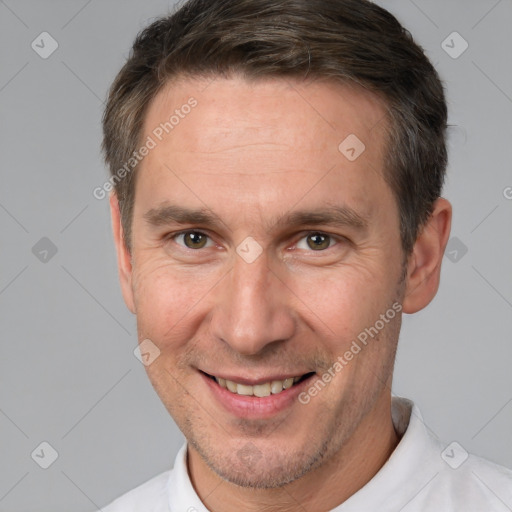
(252, 312)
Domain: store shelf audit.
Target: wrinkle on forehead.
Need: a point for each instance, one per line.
(249, 145)
(286, 115)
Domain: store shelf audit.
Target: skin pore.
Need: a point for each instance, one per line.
(248, 157)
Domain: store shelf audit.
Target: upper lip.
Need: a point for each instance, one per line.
(257, 380)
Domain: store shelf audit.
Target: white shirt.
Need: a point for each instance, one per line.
(421, 475)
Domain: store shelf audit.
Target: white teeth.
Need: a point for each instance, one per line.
(288, 383)
(276, 386)
(242, 389)
(259, 390)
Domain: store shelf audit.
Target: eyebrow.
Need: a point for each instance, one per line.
(330, 215)
(333, 215)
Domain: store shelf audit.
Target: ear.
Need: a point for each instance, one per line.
(124, 259)
(424, 264)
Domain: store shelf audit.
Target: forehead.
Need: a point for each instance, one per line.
(263, 137)
(322, 112)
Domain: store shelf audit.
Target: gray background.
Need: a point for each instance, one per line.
(68, 375)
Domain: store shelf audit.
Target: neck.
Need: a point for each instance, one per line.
(322, 489)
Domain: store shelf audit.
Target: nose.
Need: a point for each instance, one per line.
(253, 309)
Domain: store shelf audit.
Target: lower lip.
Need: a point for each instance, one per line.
(253, 407)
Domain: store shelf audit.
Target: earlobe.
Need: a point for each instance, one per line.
(124, 260)
(424, 266)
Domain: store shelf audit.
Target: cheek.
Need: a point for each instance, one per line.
(344, 301)
(168, 299)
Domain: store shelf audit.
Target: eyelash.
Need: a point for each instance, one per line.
(336, 239)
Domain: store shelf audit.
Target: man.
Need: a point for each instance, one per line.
(278, 166)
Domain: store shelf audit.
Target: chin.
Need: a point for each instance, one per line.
(250, 467)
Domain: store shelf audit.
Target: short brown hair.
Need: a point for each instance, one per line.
(352, 41)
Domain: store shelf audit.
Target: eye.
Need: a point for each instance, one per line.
(192, 239)
(316, 241)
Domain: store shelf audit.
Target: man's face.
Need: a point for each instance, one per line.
(322, 264)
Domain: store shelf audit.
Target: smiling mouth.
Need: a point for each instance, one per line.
(262, 390)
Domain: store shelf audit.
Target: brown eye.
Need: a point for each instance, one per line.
(318, 241)
(193, 239)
